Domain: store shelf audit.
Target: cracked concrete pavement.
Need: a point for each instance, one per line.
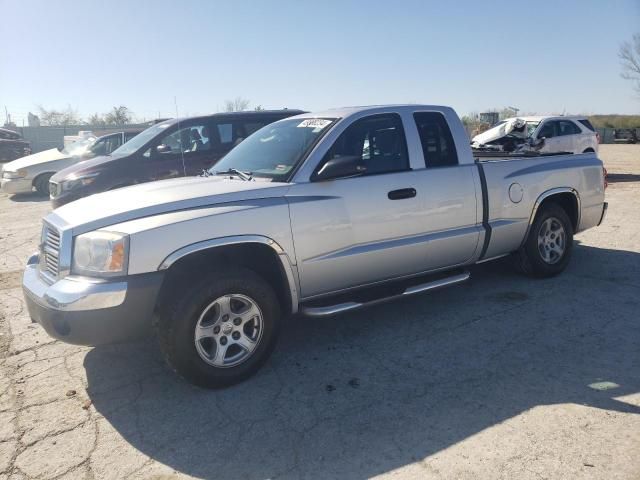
(504, 377)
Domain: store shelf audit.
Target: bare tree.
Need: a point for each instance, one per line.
(58, 118)
(118, 116)
(238, 104)
(97, 119)
(630, 58)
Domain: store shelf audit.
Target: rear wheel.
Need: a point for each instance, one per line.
(221, 330)
(547, 249)
(42, 183)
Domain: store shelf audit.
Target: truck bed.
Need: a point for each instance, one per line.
(484, 156)
(512, 183)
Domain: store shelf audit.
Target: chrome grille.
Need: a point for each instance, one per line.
(50, 251)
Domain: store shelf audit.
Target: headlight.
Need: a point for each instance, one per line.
(14, 175)
(76, 182)
(100, 253)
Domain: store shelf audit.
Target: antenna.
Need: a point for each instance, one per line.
(184, 168)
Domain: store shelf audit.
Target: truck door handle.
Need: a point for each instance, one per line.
(402, 193)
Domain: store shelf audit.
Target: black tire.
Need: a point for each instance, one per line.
(530, 260)
(42, 184)
(589, 150)
(180, 315)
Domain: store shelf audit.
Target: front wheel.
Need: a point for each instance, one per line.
(547, 249)
(42, 184)
(221, 330)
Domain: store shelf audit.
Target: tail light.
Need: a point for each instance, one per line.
(604, 177)
(598, 138)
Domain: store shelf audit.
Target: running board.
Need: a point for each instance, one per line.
(325, 311)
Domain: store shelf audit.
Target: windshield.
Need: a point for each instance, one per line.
(141, 139)
(531, 127)
(275, 150)
(80, 147)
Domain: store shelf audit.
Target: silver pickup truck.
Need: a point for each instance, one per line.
(316, 214)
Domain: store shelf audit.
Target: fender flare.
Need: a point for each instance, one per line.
(287, 267)
(549, 193)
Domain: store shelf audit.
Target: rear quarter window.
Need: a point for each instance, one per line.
(436, 139)
(587, 124)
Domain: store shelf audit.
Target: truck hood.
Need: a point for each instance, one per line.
(35, 159)
(154, 198)
(501, 130)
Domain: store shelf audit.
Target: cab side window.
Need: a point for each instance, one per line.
(185, 140)
(113, 142)
(548, 130)
(106, 145)
(567, 127)
(129, 135)
(436, 139)
(377, 140)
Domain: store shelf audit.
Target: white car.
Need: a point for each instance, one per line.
(23, 174)
(560, 134)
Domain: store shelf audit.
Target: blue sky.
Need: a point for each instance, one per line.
(543, 56)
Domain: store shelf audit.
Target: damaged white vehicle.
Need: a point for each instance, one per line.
(541, 134)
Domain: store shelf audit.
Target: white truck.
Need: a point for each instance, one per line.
(315, 214)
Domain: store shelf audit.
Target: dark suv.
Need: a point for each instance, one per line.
(12, 145)
(174, 148)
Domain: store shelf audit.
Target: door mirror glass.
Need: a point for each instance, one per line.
(163, 149)
(342, 167)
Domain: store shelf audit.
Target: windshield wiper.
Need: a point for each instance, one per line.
(246, 176)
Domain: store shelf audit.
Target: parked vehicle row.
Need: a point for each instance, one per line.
(544, 134)
(34, 171)
(173, 148)
(12, 146)
(315, 214)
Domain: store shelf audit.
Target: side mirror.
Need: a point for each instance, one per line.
(162, 149)
(341, 167)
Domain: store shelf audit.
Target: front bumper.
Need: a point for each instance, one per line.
(63, 199)
(16, 185)
(87, 311)
(605, 207)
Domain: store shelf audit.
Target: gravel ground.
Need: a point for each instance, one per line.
(523, 379)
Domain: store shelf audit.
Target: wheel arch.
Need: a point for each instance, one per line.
(40, 175)
(261, 254)
(589, 150)
(566, 197)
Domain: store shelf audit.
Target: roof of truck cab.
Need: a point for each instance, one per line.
(346, 111)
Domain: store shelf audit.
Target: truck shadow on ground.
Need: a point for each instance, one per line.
(366, 393)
